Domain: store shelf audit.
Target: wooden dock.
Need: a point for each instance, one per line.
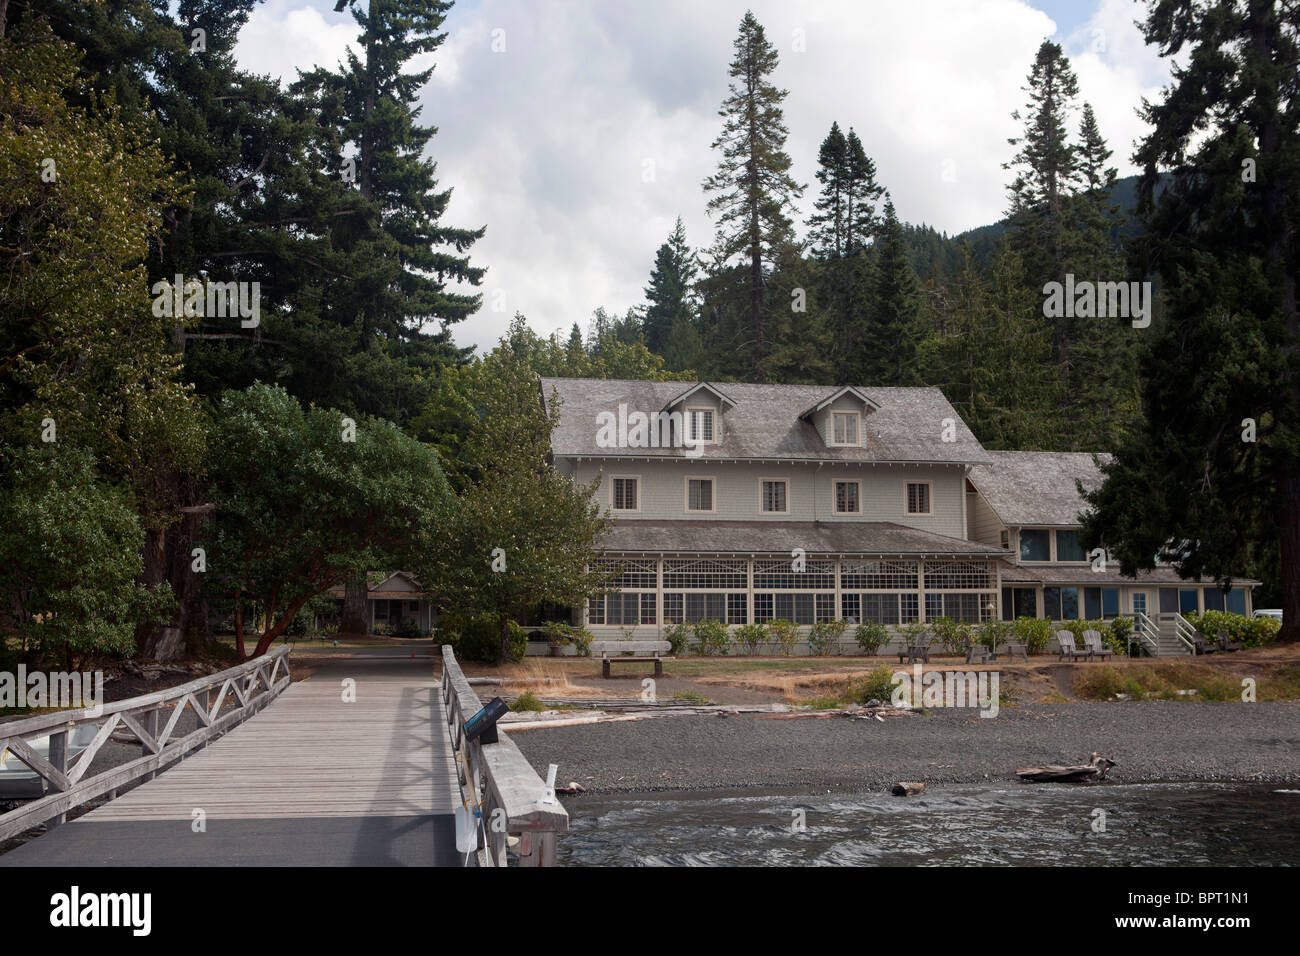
(312, 780)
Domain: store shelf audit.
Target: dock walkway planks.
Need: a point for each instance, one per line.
(310, 781)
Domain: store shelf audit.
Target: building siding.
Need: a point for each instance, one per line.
(810, 494)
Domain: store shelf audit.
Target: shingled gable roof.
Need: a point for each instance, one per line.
(698, 386)
(1037, 487)
(765, 423)
(833, 396)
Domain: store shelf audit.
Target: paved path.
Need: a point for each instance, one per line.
(309, 781)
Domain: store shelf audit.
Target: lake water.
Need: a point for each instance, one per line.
(1034, 825)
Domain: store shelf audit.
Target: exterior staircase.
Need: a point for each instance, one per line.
(1168, 635)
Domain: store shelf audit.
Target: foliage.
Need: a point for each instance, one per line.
(1212, 485)
(914, 631)
(953, 636)
(876, 685)
(520, 533)
(1118, 634)
(527, 702)
(478, 637)
(1033, 632)
(711, 637)
(871, 635)
(752, 193)
(677, 636)
(824, 636)
(750, 636)
(784, 633)
(69, 559)
(993, 633)
(559, 634)
(1246, 631)
(310, 500)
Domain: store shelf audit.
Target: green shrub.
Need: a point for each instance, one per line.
(870, 635)
(1247, 631)
(1118, 633)
(877, 685)
(993, 634)
(749, 636)
(711, 638)
(951, 635)
(1033, 632)
(783, 632)
(677, 635)
(560, 634)
(478, 638)
(406, 627)
(527, 702)
(824, 637)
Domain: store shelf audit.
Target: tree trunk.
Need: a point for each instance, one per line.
(149, 642)
(1289, 520)
(504, 654)
(240, 651)
(356, 608)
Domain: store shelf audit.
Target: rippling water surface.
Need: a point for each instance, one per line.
(1148, 824)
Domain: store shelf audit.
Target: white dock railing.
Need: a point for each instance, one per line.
(499, 782)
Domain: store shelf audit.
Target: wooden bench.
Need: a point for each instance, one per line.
(977, 653)
(658, 662)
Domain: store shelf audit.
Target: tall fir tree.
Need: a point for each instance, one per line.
(392, 257)
(840, 232)
(1045, 167)
(1212, 482)
(670, 311)
(753, 196)
(885, 346)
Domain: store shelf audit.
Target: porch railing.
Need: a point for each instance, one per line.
(1146, 631)
(1183, 630)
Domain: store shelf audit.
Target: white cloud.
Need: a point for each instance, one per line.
(286, 36)
(547, 143)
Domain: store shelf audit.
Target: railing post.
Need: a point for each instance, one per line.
(151, 728)
(59, 761)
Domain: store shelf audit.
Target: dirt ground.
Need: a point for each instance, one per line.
(754, 680)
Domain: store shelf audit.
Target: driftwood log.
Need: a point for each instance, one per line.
(908, 788)
(1094, 769)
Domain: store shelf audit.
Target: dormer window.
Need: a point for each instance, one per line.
(844, 428)
(699, 425)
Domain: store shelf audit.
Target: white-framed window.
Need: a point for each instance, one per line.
(699, 426)
(625, 493)
(844, 428)
(774, 496)
(848, 497)
(700, 494)
(919, 494)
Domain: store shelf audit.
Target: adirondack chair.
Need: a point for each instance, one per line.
(1202, 645)
(1066, 641)
(976, 653)
(1013, 649)
(917, 650)
(1227, 644)
(1093, 642)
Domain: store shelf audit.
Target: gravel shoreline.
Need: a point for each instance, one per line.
(1151, 742)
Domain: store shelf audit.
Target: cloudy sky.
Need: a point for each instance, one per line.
(577, 131)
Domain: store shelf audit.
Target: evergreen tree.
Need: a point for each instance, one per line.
(1046, 169)
(885, 350)
(840, 232)
(1104, 402)
(391, 256)
(1212, 482)
(753, 193)
(670, 297)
